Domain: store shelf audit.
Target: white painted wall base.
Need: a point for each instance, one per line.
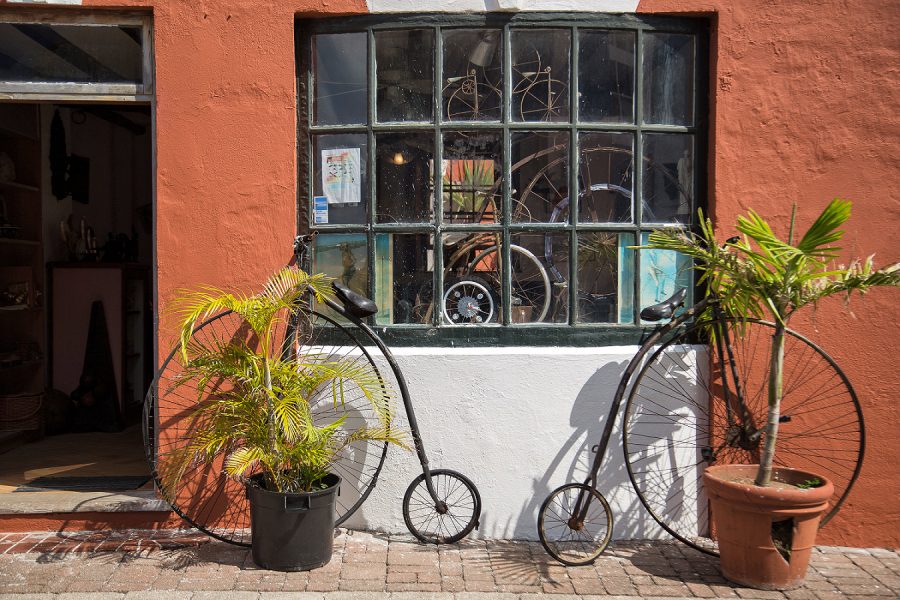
(519, 422)
(457, 6)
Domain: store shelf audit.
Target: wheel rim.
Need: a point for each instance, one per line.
(468, 302)
(569, 533)
(670, 435)
(530, 282)
(204, 496)
(433, 524)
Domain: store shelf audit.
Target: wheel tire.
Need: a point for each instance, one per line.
(423, 519)
(469, 300)
(574, 547)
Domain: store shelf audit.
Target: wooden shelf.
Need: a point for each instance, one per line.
(19, 186)
(22, 365)
(15, 242)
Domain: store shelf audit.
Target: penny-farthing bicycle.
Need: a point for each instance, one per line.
(696, 395)
(440, 506)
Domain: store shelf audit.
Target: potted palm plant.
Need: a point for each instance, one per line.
(253, 414)
(760, 275)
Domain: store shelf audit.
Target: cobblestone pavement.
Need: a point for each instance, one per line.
(184, 566)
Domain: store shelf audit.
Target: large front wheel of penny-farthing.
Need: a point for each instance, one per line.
(204, 496)
(448, 518)
(677, 422)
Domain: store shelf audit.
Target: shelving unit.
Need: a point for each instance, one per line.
(22, 321)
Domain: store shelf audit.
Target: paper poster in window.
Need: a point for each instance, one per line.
(341, 175)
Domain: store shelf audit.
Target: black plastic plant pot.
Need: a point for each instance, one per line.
(292, 532)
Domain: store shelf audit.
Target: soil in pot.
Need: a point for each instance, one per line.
(292, 532)
(765, 534)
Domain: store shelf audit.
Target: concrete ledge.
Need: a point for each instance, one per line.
(37, 503)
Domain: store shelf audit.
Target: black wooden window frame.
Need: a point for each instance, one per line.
(572, 333)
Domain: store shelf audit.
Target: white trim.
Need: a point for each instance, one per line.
(462, 6)
(60, 2)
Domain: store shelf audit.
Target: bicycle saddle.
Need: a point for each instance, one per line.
(356, 304)
(666, 308)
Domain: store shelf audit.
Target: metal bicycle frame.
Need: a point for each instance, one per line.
(723, 347)
(301, 253)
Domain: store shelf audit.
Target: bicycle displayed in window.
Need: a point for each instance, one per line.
(473, 265)
(440, 506)
(695, 395)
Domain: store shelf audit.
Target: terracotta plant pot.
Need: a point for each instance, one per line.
(743, 515)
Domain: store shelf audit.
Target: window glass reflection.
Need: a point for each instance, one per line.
(606, 76)
(669, 78)
(540, 75)
(668, 177)
(473, 76)
(471, 177)
(404, 171)
(404, 69)
(340, 85)
(403, 278)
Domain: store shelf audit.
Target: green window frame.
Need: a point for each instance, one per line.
(527, 214)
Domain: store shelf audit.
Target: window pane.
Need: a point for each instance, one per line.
(404, 166)
(343, 256)
(403, 278)
(71, 53)
(471, 177)
(340, 86)
(540, 177)
(663, 272)
(606, 76)
(340, 188)
(472, 276)
(668, 177)
(405, 74)
(669, 78)
(540, 75)
(605, 277)
(473, 76)
(606, 180)
(539, 272)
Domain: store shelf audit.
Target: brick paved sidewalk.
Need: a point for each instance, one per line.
(376, 566)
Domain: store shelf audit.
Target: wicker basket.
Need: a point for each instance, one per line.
(21, 412)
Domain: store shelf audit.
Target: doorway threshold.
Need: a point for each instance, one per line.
(36, 503)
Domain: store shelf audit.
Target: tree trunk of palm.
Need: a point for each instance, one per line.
(776, 376)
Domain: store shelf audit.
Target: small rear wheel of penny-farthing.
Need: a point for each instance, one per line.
(575, 524)
(448, 519)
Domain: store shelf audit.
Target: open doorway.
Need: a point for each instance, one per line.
(76, 350)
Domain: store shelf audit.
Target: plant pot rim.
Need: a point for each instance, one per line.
(332, 479)
(718, 481)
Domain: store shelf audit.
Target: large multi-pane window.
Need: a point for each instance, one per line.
(487, 178)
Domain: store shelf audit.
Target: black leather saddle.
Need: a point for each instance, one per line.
(356, 304)
(666, 308)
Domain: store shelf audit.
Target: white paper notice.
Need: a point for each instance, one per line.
(340, 175)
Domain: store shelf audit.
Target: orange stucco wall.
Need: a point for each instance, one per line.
(805, 106)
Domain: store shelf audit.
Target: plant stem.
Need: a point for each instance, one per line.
(776, 377)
